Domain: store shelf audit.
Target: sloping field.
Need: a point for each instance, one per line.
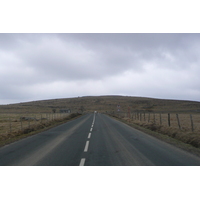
(104, 104)
(148, 112)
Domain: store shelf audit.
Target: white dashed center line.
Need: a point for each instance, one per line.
(86, 146)
(89, 135)
(82, 162)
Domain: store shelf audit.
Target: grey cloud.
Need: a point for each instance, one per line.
(72, 60)
(85, 62)
(147, 47)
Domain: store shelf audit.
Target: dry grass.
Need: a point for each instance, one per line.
(184, 119)
(14, 122)
(12, 127)
(104, 104)
(159, 123)
(108, 104)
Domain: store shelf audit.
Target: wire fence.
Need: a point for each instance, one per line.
(10, 123)
(183, 122)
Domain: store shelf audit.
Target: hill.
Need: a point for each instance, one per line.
(103, 104)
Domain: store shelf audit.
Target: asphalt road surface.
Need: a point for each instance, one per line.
(94, 140)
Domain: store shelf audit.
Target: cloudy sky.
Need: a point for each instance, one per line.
(48, 66)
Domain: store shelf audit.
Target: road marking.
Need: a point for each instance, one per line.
(82, 162)
(93, 120)
(86, 146)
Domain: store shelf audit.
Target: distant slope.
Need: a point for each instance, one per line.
(104, 104)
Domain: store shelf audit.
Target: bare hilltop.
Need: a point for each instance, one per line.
(104, 104)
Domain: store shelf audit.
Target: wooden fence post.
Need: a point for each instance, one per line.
(160, 119)
(154, 118)
(10, 125)
(21, 123)
(178, 121)
(169, 119)
(149, 118)
(192, 125)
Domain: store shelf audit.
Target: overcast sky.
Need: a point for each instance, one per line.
(48, 66)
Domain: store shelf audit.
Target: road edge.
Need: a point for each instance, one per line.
(19, 137)
(165, 138)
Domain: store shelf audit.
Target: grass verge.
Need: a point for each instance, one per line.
(34, 129)
(189, 142)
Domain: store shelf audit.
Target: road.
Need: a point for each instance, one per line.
(94, 140)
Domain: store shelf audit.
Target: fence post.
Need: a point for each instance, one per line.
(10, 125)
(21, 123)
(144, 117)
(169, 119)
(149, 118)
(154, 118)
(160, 119)
(178, 121)
(192, 125)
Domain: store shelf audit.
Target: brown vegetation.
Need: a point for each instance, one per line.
(42, 110)
(18, 128)
(103, 104)
(159, 122)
